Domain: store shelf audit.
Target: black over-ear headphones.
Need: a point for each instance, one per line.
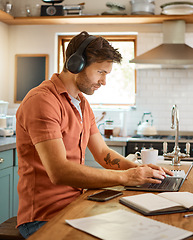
(76, 62)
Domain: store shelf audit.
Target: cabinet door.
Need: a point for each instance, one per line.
(6, 159)
(6, 188)
(15, 181)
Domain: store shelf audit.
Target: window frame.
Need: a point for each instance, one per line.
(110, 37)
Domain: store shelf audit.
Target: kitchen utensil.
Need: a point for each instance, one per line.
(53, 1)
(98, 119)
(75, 9)
(11, 122)
(8, 7)
(145, 127)
(52, 10)
(114, 9)
(116, 131)
(142, 7)
(28, 10)
(177, 8)
(6, 132)
(3, 108)
(3, 122)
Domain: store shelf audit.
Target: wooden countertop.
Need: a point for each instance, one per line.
(58, 229)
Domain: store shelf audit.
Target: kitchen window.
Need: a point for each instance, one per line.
(120, 86)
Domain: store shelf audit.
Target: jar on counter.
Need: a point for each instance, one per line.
(108, 127)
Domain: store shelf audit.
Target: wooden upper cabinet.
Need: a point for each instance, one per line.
(98, 19)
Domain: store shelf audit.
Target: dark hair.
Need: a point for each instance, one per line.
(98, 50)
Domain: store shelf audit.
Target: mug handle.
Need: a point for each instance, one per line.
(137, 154)
(99, 128)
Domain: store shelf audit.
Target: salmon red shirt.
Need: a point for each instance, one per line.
(47, 113)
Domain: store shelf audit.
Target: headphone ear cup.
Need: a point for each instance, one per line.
(75, 63)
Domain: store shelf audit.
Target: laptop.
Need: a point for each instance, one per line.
(169, 184)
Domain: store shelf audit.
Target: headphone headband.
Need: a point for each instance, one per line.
(76, 62)
(84, 44)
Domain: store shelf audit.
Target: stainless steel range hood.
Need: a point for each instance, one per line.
(173, 53)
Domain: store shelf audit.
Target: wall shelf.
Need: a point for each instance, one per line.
(4, 17)
(92, 19)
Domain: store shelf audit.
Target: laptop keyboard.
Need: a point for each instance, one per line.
(167, 183)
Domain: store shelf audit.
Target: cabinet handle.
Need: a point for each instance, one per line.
(1, 160)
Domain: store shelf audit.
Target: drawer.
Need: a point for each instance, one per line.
(6, 159)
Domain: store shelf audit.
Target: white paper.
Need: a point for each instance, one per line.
(123, 225)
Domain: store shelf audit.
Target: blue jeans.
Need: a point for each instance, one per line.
(29, 228)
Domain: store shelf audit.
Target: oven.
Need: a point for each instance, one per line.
(138, 142)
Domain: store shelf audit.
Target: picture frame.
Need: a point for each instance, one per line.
(30, 71)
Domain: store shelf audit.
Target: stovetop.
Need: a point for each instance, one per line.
(137, 142)
(167, 137)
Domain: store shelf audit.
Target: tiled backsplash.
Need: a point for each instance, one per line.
(158, 90)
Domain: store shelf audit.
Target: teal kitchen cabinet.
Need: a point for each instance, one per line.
(6, 184)
(15, 181)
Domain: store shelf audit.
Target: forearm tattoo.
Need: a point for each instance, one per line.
(110, 162)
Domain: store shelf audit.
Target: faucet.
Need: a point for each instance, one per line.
(176, 155)
(175, 125)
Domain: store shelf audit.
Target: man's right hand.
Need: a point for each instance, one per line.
(142, 174)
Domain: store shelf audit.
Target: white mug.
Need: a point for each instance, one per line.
(148, 156)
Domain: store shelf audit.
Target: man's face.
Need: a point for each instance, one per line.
(93, 76)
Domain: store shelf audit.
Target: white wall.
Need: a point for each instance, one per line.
(4, 63)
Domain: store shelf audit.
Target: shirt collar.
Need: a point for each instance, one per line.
(61, 88)
(58, 83)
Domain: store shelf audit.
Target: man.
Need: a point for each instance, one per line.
(55, 124)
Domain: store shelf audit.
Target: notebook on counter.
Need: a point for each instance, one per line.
(162, 203)
(169, 184)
